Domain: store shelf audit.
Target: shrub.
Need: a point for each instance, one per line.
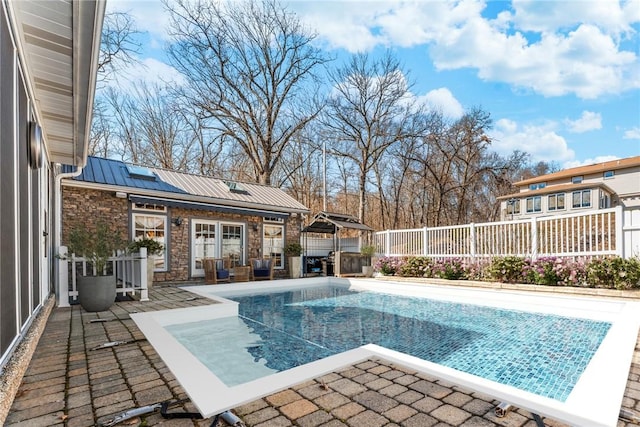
(510, 269)
(449, 268)
(616, 272)
(416, 267)
(388, 265)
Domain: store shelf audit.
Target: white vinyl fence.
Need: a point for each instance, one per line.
(130, 271)
(614, 231)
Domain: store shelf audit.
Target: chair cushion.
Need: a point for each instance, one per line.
(222, 274)
(261, 272)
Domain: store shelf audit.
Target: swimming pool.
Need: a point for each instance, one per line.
(277, 329)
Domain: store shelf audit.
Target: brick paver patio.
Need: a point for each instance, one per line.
(70, 382)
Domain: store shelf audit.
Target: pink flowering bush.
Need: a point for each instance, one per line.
(612, 273)
(388, 265)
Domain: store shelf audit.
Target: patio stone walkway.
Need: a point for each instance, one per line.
(71, 383)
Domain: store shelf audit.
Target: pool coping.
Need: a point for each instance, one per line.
(610, 364)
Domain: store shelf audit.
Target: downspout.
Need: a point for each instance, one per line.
(57, 209)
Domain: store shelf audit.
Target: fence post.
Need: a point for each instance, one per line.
(472, 248)
(63, 278)
(619, 221)
(144, 260)
(534, 238)
(425, 242)
(387, 243)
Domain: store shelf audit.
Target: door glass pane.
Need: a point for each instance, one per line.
(204, 245)
(273, 243)
(232, 244)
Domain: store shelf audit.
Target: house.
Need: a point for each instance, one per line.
(598, 186)
(193, 216)
(48, 67)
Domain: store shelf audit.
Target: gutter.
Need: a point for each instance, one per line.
(57, 209)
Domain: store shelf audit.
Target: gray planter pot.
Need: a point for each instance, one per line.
(96, 293)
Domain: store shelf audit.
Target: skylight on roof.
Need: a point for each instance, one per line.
(140, 172)
(235, 187)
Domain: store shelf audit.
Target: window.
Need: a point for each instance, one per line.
(555, 202)
(608, 174)
(273, 243)
(582, 199)
(576, 179)
(149, 207)
(152, 227)
(534, 204)
(605, 201)
(537, 186)
(513, 206)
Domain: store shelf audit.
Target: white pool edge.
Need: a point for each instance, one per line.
(584, 407)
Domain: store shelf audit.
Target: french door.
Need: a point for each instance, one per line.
(216, 239)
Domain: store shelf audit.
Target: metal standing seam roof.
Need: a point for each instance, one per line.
(214, 188)
(114, 172)
(187, 187)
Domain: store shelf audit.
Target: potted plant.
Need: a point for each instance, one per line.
(367, 251)
(293, 251)
(154, 248)
(95, 292)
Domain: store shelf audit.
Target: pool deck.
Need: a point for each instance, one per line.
(72, 382)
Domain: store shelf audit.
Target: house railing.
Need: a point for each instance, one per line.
(614, 231)
(129, 269)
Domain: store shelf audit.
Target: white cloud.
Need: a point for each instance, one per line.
(575, 51)
(588, 121)
(633, 133)
(540, 141)
(150, 17)
(442, 100)
(611, 16)
(595, 160)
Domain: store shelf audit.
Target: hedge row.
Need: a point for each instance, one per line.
(610, 273)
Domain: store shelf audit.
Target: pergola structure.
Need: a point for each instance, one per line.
(337, 225)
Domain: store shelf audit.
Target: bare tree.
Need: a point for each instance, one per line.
(249, 68)
(368, 111)
(118, 46)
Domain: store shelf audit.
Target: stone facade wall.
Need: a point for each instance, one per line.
(85, 207)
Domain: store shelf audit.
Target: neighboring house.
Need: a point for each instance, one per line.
(598, 186)
(48, 65)
(193, 216)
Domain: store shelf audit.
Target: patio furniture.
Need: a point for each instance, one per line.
(216, 270)
(241, 273)
(261, 268)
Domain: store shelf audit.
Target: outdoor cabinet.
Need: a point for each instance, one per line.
(349, 263)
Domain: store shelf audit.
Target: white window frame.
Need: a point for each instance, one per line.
(582, 204)
(535, 200)
(134, 229)
(556, 196)
(577, 179)
(274, 246)
(608, 174)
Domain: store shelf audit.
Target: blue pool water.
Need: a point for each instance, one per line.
(542, 354)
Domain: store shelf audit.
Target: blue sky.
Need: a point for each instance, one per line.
(561, 80)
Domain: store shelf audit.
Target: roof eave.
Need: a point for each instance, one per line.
(58, 46)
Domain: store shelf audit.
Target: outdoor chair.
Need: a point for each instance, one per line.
(261, 268)
(216, 270)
